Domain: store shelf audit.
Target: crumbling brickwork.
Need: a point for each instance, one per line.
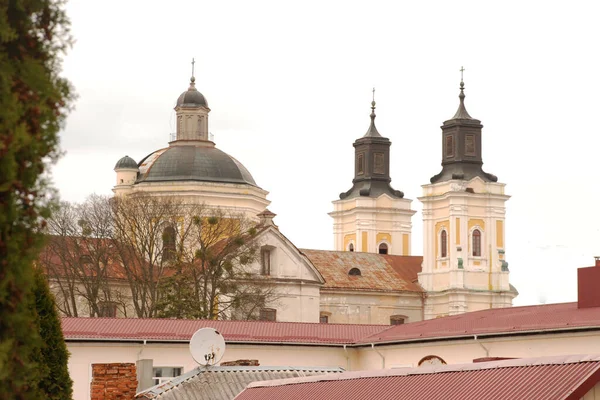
(116, 381)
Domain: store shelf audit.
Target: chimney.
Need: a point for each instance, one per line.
(588, 281)
(113, 381)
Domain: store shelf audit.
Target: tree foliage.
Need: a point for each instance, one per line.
(55, 382)
(156, 256)
(33, 102)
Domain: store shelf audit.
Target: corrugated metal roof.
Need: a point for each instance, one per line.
(233, 331)
(547, 378)
(510, 320)
(494, 321)
(224, 383)
(378, 272)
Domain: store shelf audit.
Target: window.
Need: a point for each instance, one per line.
(476, 243)
(354, 272)
(444, 244)
(360, 164)
(324, 319)
(168, 238)
(85, 259)
(397, 319)
(449, 146)
(470, 145)
(379, 163)
(268, 314)
(431, 360)
(350, 247)
(107, 309)
(383, 248)
(161, 375)
(265, 261)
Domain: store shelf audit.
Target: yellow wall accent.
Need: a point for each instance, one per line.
(405, 245)
(438, 228)
(365, 248)
(384, 236)
(476, 262)
(349, 238)
(476, 221)
(499, 233)
(457, 241)
(444, 263)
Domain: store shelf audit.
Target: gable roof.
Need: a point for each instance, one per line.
(547, 378)
(383, 273)
(224, 383)
(496, 321)
(179, 330)
(273, 230)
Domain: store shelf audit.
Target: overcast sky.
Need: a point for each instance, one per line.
(289, 86)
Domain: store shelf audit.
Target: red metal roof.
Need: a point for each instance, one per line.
(510, 320)
(378, 272)
(233, 331)
(494, 321)
(546, 378)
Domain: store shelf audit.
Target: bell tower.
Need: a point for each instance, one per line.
(372, 216)
(464, 260)
(192, 111)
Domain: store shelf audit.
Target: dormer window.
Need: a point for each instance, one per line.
(383, 248)
(354, 272)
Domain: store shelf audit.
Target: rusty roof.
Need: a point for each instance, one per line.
(179, 330)
(385, 273)
(509, 320)
(543, 378)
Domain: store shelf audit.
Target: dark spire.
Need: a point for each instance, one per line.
(372, 164)
(462, 113)
(372, 132)
(461, 146)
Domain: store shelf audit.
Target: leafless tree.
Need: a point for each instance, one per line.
(214, 271)
(80, 260)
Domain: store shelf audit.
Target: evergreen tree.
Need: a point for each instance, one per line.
(55, 382)
(33, 104)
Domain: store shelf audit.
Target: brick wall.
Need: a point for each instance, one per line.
(113, 381)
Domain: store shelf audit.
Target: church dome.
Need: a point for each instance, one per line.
(193, 163)
(126, 162)
(192, 97)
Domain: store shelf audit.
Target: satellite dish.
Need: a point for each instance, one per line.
(207, 346)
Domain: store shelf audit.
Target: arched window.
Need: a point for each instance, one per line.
(354, 272)
(383, 248)
(168, 238)
(476, 243)
(397, 319)
(350, 247)
(444, 244)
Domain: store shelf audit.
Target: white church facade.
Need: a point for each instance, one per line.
(370, 277)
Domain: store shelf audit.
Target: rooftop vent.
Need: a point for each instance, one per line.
(587, 285)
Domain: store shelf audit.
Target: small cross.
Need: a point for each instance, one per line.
(193, 62)
(373, 94)
(462, 69)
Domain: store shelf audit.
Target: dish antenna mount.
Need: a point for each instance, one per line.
(207, 346)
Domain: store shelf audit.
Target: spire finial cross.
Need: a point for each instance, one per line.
(462, 69)
(193, 62)
(373, 93)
